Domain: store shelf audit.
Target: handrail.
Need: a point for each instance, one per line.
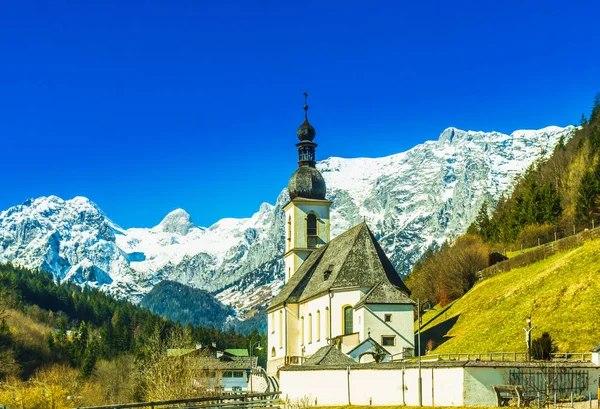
(220, 399)
(507, 356)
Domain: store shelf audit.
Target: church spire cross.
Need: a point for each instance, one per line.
(305, 105)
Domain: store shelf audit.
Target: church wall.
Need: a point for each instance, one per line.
(379, 387)
(293, 330)
(276, 333)
(401, 325)
(319, 338)
(339, 300)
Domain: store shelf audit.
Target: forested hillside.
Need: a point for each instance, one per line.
(84, 342)
(554, 199)
(185, 304)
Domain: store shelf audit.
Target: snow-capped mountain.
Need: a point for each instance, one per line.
(411, 200)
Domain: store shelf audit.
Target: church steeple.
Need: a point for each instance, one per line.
(307, 213)
(307, 181)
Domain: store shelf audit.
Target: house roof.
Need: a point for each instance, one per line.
(328, 355)
(370, 341)
(384, 293)
(227, 362)
(353, 259)
(596, 348)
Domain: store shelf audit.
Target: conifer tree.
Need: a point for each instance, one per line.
(586, 198)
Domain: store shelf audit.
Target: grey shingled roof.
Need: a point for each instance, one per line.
(384, 293)
(354, 259)
(329, 355)
(373, 343)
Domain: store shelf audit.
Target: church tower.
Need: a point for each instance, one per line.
(307, 213)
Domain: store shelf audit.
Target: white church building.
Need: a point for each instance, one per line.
(343, 292)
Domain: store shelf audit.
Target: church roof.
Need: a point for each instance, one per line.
(353, 259)
(329, 355)
(384, 293)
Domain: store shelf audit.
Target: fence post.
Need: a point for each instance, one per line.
(571, 399)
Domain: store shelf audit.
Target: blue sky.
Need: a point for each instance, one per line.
(149, 106)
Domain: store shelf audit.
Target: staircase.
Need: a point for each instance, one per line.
(261, 382)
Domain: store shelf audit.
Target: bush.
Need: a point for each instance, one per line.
(543, 347)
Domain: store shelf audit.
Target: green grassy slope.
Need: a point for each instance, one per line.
(562, 294)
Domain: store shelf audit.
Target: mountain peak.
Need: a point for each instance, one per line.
(448, 135)
(178, 221)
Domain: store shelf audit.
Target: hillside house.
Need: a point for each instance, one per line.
(225, 371)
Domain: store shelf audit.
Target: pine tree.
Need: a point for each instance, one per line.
(586, 198)
(482, 221)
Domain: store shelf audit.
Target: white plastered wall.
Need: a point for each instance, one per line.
(339, 300)
(319, 337)
(401, 325)
(378, 387)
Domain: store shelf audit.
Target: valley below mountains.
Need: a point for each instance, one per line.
(411, 201)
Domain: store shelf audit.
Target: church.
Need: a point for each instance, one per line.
(343, 293)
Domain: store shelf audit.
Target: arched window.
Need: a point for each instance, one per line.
(273, 353)
(310, 328)
(327, 334)
(318, 325)
(280, 328)
(272, 323)
(348, 320)
(311, 225)
(289, 273)
(302, 328)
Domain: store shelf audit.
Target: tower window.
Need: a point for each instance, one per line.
(289, 230)
(311, 225)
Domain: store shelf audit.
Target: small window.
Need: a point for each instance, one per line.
(273, 352)
(388, 317)
(238, 374)
(228, 374)
(388, 340)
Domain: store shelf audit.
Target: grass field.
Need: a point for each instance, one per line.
(561, 293)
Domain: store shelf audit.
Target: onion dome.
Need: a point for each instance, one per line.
(307, 182)
(306, 132)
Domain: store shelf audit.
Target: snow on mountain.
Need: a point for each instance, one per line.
(411, 200)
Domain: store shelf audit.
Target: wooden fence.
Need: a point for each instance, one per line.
(233, 401)
(544, 251)
(508, 356)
